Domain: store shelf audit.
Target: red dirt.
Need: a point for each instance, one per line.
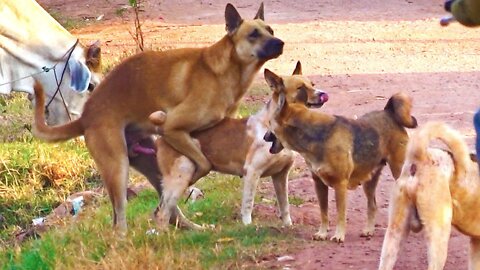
(361, 52)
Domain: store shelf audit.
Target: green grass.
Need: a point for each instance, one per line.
(69, 23)
(254, 100)
(90, 242)
(15, 118)
(294, 200)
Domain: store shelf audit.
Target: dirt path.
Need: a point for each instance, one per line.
(361, 52)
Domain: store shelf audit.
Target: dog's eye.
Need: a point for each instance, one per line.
(313, 84)
(255, 34)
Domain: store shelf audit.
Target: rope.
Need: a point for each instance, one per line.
(47, 69)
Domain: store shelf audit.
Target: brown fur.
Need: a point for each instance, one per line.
(236, 146)
(343, 153)
(198, 87)
(436, 189)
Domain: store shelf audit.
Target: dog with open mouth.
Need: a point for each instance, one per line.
(341, 153)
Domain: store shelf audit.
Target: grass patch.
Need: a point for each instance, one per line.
(294, 200)
(91, 244)
(67, 22)
(15, 118)
(35, 177)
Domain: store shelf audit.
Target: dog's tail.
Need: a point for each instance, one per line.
(419, 141)
(52, 134)
(400, 106)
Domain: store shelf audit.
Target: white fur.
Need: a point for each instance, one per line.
(258, 161)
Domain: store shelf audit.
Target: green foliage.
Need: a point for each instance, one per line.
(91, 242)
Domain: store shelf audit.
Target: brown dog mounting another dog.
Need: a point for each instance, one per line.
(341, 153)
(197, 87)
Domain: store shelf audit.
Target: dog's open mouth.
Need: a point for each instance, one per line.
(276, 144)
(322, 98)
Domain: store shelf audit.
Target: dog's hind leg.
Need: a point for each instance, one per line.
(280, 183)
(109, 151)
(322, 196)
(434, 206)
(369, 189)
(399, 215)
(148, 166)
(474, 262)
(175, 181)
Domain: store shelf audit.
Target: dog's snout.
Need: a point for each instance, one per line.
(272, 49)
(277, 45)
(448, 5)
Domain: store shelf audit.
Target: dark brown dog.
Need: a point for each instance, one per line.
(197, 87)
(342, 153)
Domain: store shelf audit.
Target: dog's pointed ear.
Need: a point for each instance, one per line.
(232, 19)
(302, 96)
(94, 50)
(274, 81)
(260, 13)
(298, 69)
(280, 104)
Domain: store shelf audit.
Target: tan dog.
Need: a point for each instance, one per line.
(342, 153)
(235, 146)
(437, 189)
(197, 87)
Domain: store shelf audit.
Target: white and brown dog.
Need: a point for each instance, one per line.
(237, 147)
(436, 189)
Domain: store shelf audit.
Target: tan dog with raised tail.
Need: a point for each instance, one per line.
(197, 87)
(437, 189)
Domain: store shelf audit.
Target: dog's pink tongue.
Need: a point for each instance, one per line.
(323, 97)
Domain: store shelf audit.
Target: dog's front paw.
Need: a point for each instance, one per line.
(367, 233)
(320, 236)
(338, 238)
(287, 221)
(246, 219)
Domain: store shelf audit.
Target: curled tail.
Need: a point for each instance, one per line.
(419, 141)
(400, 106)
(52, 134)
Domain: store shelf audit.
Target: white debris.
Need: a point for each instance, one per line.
(38, 221)
(194, 193)
(285, 258)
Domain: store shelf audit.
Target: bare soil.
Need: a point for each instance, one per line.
(360, 52)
